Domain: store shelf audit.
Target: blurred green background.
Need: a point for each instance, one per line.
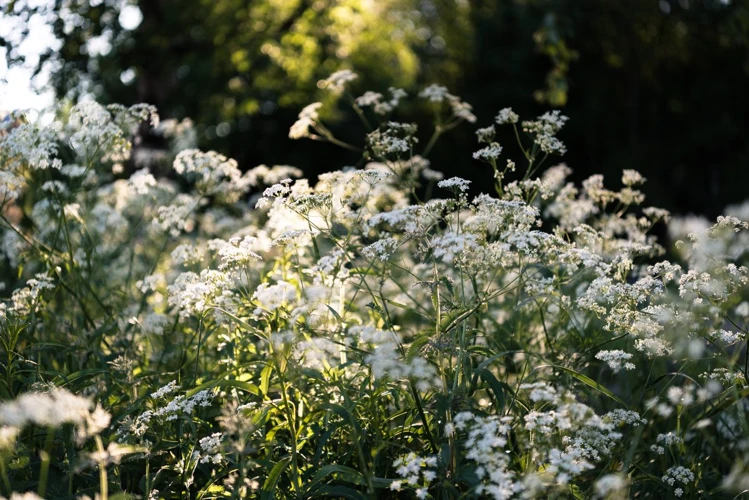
(658, 86)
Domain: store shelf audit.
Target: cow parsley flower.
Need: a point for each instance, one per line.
(632, 178)
(486, 135)
(368, 99)
(489, 153)
(678, 474)
(236, 253)
(381, 249)
(507, 115)
(163, 391)
(53, 409)
(336, 82)
(616, 359)
(215, 174)
(271, 297)
(415, 471)
(307, 118)
(210, 446)
(434, 93)
(380, 105)
(455, 184)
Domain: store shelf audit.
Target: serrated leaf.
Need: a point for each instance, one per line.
(416, 346)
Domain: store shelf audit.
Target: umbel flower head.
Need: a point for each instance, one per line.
(53, 409)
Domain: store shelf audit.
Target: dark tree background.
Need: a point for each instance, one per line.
(658, 86)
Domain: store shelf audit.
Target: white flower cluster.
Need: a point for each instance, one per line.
(417, 472)
(215, 174)
(165, 390)
(507, 116)
(177, 216)
(678, 474)
(438, 94)
(393, 139)
(194, 294)
(381, 249)
(663, 440)
(543, 130)
(378, 104)
(271, 297)
(307, 118)
(488, 154)
(387, 361)
(486, 135)
(210, 446)
(455, 184)
(336, 82)
(262, 175)
(179, 406)
(53, 409)
(616, 359)
(486, 444)
(235, 254)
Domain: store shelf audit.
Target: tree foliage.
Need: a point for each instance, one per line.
(657, 85)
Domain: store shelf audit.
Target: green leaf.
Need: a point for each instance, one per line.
(269, 487)
(589, 382)
(340, 492)
(82, 374)
(448, 285)
(265, 378)
(416, 346)
(497, 387)
(343, 413)
(342, 472)
(238, 384)
(452, 319)
(728, 398)
(335, 313)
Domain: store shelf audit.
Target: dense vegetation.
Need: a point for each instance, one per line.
(219, 334)
(656, 85)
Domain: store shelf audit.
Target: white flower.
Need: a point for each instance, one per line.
(616, 359)
(307, 118)
(52, 409)
(271, 297)
(336, 82)
(432, 175)
(486, 135)
(678, 474)
(632, 178)
(434, 93)
(455, 184)
(609, 484)
(507, 115)
(236, 253)
(368, 99)
(489, 153)
(380, 249)
(214, 173)
(163, 391)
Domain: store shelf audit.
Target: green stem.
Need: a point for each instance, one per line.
(432, 442)
(45, 454)
(296, 484)
(432, 141)
(103, 480)
(197, 353)
(4, 472)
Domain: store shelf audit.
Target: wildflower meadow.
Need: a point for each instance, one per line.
(173, 327)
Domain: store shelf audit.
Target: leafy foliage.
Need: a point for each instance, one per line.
(231, 334)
